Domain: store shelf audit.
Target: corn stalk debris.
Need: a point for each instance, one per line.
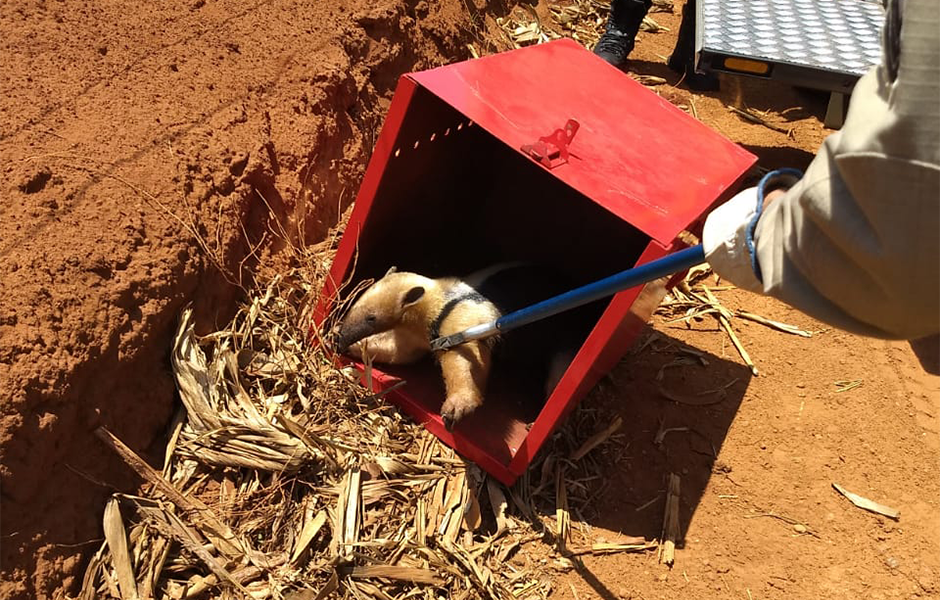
(286, 478)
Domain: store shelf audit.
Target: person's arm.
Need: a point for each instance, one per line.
(854, 242)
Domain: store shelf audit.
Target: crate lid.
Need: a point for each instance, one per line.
(634, 153)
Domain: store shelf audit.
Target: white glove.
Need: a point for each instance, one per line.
(724, 239)
(725, 235)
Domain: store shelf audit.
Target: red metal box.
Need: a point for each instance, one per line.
(454, 184)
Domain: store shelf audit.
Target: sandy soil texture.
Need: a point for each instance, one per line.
(145, 147)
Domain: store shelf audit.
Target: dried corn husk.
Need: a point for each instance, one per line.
(286, 478)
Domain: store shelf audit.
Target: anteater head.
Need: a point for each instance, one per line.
(381, 307)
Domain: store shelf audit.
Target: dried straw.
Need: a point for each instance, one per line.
(284, 477)
(581, 20)
(691, 300)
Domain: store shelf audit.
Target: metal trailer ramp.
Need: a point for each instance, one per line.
(821, 44)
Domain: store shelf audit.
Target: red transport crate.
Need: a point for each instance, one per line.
(474, 166)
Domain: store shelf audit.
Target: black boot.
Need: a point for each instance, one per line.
(623, 23)
(683, 55)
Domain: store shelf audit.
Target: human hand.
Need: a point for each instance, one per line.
(727, 235)
(773, 195)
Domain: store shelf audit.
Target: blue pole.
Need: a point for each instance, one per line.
(668, 265)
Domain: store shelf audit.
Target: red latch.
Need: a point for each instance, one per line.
(552, 150)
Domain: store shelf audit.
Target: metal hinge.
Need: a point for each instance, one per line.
(552, 150)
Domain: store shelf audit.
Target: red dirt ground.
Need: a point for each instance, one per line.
(116, 116)
(136, 135)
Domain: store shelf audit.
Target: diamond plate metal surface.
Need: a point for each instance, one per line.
(833, 35)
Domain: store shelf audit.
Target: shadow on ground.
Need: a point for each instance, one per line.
(779, 157)
(789, 102)
(677, 404)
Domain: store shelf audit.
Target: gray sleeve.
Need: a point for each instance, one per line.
(855, 242)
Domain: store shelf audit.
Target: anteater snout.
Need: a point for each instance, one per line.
(348, 333)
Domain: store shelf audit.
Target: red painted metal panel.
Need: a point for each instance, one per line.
(635, 153)
(465, 441)
(440, 195)
(611, 338)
